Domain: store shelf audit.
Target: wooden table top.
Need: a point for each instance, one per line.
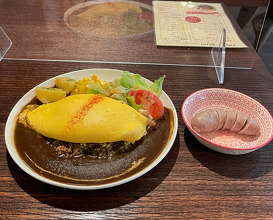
(192, 181)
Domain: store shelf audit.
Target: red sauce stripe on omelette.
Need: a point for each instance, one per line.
(79, 116)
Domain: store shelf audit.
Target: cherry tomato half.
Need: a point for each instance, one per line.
(150, 102)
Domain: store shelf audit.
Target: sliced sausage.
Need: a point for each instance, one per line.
(220, 119)
(251, 127)
(213, 118)
(202, 122)
(222, 116)
(230, 120)
(239, 123)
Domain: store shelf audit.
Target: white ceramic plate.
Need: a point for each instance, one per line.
(104, 74)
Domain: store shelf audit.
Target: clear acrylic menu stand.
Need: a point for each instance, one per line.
(218, 54)
(5, 43)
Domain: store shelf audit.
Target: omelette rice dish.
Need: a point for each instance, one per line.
(92, 135)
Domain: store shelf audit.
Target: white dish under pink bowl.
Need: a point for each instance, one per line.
(225, 141)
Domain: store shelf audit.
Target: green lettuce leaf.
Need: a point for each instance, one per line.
(127, 80)
(156, 87)
(139, 82)
(135, 81)
(132, 103)
(96, 89)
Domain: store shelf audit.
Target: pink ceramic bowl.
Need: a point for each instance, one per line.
(225, 141)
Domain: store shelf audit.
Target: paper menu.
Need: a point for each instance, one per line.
(192, 24)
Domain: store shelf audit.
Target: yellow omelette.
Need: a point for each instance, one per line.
(88, 118)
